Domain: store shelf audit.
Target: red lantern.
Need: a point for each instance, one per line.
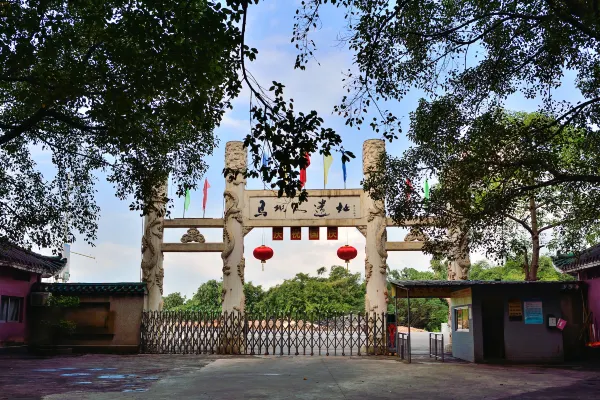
(263, 253)
(347, 253)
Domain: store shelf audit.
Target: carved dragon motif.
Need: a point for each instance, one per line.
(240, 269)
(226, 270)
(232, 212)
(159, 277)
(458, 267)
(150, 255)
(381, 239)
(368, 270)
(362, 229)
(378, 210)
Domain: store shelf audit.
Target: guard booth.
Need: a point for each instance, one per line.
(502, 321)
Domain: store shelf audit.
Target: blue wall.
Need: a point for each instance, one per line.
(463, 342)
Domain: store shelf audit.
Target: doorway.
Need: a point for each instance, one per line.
(492, 310)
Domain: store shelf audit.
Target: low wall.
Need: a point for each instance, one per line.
(109, 322)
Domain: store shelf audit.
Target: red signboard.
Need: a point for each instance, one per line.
(313, 233)
(296, 233)
(332, 233)
(278, 233)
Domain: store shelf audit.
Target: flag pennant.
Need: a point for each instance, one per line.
(410, 188)
(344, 170)
(327, 161)
(264, 159)
(426, 189)
(186, 203)
(303, 170)
(277, 233)
(296, 233)
(313, 233)
(332, 233)
(205, 193)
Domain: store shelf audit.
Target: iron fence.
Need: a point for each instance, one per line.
(436, 346)
(195, 332)
(404, 346)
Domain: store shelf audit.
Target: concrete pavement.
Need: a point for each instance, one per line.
(198, 377)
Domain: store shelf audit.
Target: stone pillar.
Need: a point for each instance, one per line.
(459, 265)
(233, 230)
(460, 261)
(375, 253)
(152, 255)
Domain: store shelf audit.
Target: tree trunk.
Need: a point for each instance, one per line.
(535, 241)
(525, 263)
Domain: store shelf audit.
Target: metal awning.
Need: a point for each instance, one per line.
(444, 289)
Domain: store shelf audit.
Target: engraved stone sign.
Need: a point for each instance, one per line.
(335, 207)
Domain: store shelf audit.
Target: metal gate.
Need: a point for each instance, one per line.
(196, 332)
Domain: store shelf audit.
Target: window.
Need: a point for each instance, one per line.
(11, 309)
(461, 319)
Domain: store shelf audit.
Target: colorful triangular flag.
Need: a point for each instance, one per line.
(205, 197)
(344, 169)
(327, 161)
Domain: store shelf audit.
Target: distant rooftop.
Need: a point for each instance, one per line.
(572, 262)
(17, 257)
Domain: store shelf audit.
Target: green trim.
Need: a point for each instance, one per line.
(137, 288)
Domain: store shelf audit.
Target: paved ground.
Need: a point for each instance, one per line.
(149, 377)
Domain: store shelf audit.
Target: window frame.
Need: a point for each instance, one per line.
(4, 311)
(462, 319)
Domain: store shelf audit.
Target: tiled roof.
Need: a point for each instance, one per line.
(135, 288)
(574, 262)
(17, 257)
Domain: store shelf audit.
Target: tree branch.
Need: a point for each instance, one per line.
(73, 122)
(14, 131)
(554, 225)
(520, 222)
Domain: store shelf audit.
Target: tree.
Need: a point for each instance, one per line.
(254, 296)
(467, 57)
(132, 92)
(173, 301)
(340, 292)
(207, 297)
(485, 188)
(512, 270)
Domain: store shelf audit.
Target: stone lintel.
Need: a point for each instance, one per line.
(311, 193)
(194, 223)
(410, 222)
(193, 247)
(404, 246)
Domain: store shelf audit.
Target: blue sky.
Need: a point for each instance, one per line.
(319, 87)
